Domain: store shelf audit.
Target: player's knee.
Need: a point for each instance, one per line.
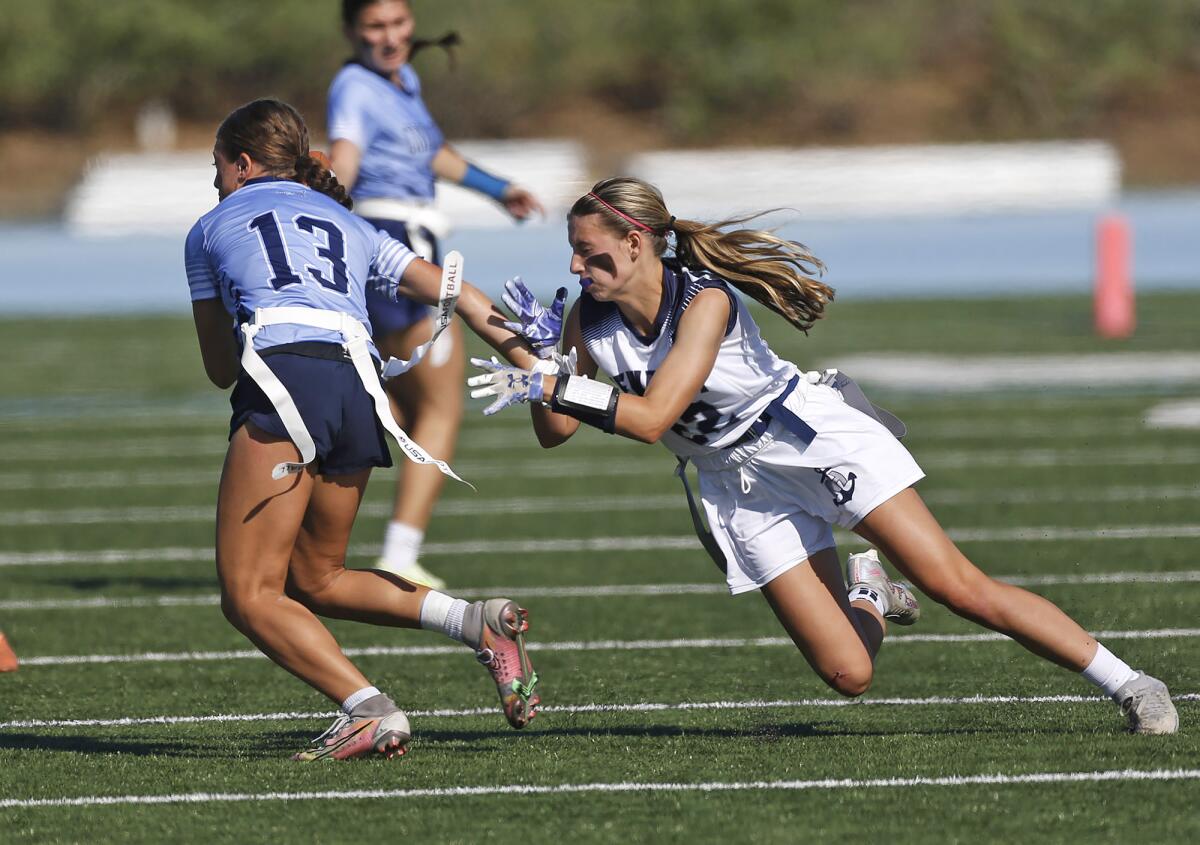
(969, 598)
(236, 609)
(308, 588)
(851, 681)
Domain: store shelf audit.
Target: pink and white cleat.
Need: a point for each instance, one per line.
(496, 630)
(350, 737)
(866, 577)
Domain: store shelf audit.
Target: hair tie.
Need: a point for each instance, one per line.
(638, 223)
(670, 225)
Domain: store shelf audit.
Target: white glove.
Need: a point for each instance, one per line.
(510, 385)
(558, 364)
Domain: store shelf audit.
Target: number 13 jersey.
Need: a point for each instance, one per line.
(276, 243)
(746, 376)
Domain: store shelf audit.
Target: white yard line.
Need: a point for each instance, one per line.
(179, 514)
(567, 545)
(601, 466)
(641, 707)
(590, 591)
(975, 374)
(568, 646)
(625, 787)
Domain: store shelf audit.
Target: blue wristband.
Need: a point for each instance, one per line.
(484, 182)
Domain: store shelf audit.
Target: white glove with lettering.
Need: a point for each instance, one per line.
(510, 385)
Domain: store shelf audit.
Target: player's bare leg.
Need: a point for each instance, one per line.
(318, 577)
(429, 401)
(319, 580)
(838, 639)
(258, 522)
(909, 535)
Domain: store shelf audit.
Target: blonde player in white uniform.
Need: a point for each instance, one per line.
(780, 459)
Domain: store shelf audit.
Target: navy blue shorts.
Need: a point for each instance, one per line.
(336, 408)
(386, 315)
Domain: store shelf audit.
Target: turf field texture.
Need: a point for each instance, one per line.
(672, 712)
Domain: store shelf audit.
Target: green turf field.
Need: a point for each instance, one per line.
(672, 712)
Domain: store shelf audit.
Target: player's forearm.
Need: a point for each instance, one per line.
(345, 159)
(642, 418)
(551, 429)
(483, 317)
(449, 164)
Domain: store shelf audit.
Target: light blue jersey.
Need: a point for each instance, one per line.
(390, 126)
(276, 243)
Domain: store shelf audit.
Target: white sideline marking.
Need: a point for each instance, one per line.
(642, 707)
(592, 544)
(169, 514)
(1183, 413)
(1111, 775)
(973, 374)
(622, 467)
(569, 646)
(596, 591)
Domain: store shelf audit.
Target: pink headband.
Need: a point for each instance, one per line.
(629, 219)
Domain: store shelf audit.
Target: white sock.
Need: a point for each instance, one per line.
(1108, 671)
(402, 545)
(440, 612)
(358, 698)
(869, 594)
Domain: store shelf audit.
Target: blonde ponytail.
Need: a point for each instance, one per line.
(778, 273)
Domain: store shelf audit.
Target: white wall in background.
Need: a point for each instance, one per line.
(164, 193)
(886, 181)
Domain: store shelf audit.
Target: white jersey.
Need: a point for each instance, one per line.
(745, 378)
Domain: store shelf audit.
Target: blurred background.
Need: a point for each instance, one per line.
(920, 147)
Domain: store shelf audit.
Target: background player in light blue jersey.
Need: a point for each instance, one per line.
(282, 259)
(389, 151)
(780, 460)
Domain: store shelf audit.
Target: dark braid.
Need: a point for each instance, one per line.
(313, 172)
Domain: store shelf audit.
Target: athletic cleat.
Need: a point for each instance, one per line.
(8, 658)
(1146, 703)
(496, 630)
(865, 573)
(415, 573)
(349, 737)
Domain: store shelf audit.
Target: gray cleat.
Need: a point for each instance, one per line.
(865, 575)
(1146, 703)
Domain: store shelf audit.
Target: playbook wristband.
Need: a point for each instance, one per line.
(587, 400)
(484, 182)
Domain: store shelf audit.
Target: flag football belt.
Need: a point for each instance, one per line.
(410, 211)
(355, 338)
(851, 394)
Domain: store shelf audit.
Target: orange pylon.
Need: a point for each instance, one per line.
(8, 660)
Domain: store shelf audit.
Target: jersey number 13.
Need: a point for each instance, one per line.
(275, 250)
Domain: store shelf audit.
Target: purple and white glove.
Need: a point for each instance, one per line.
(558, 364)
(510, 385)
(540, 326)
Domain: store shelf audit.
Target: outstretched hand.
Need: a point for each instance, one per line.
(510, 385)
(520, 203)
(538, 325)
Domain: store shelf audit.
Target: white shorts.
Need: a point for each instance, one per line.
(771, 503)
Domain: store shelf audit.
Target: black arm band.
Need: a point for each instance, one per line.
(589, 401)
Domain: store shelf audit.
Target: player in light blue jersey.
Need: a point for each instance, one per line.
(389, 151)
(281, 267)
(782, 456)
